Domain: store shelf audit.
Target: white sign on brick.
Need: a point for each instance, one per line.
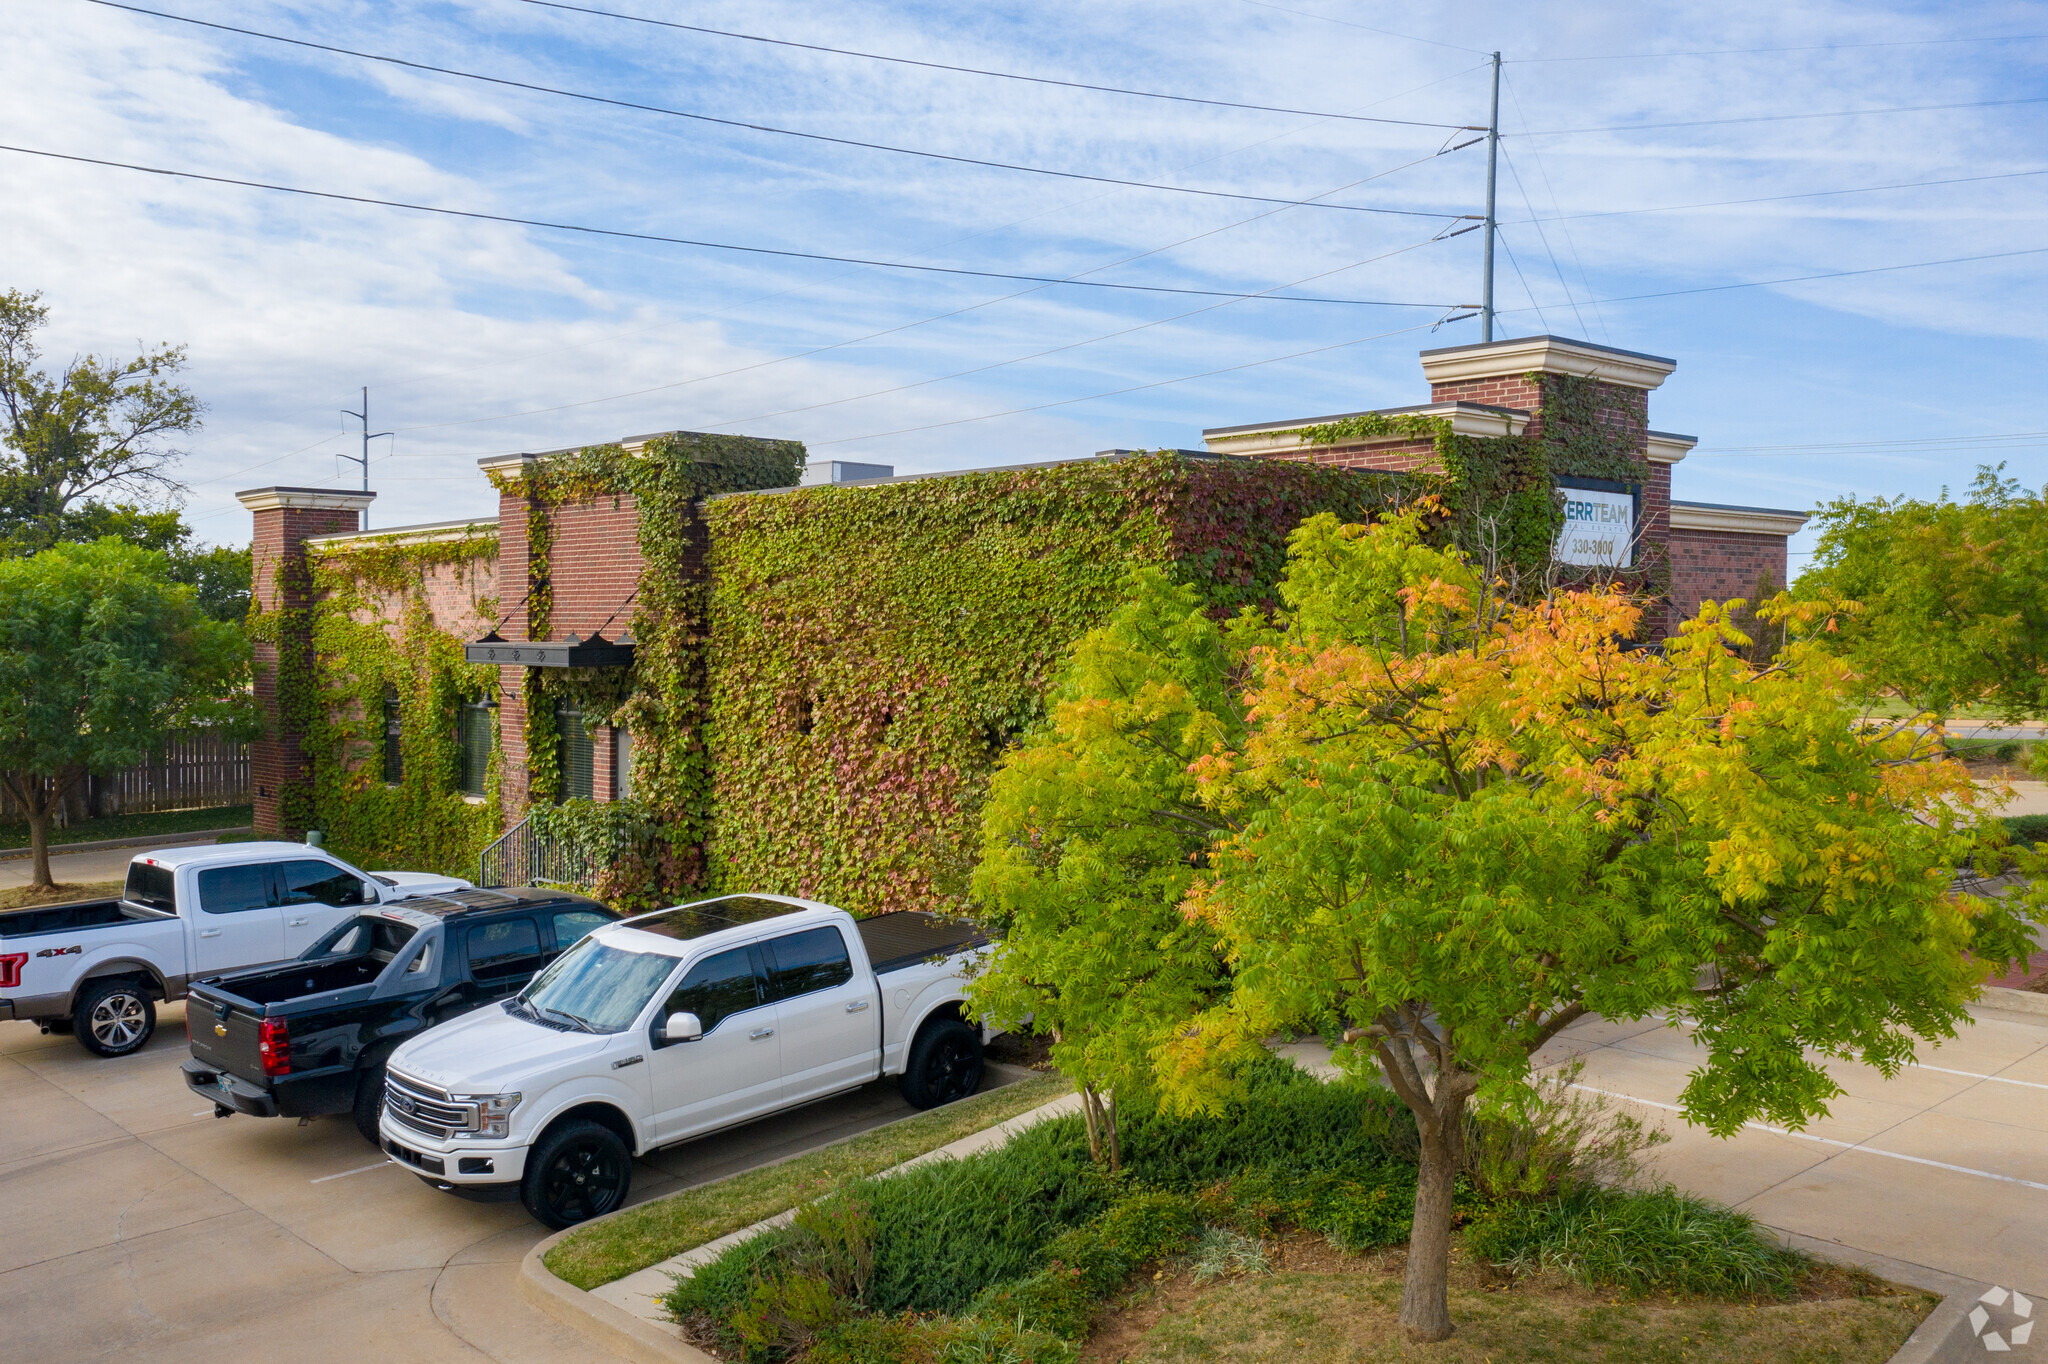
(1599, 528)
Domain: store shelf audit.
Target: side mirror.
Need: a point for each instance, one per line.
(682, 1028)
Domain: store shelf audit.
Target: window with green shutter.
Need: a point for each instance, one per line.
(394, 737)
(474, 723)
(577, 754)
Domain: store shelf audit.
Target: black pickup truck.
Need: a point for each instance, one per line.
(309, 1037)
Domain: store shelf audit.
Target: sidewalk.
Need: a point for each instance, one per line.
(82, 868)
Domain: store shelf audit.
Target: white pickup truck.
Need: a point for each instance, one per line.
(670, 1025)
(99, 966)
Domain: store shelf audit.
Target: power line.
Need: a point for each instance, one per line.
(1830, 274)
(1060, 208)
(1056, 350)
(1542, 237)
(980, 71)
(533, 88)
(1990, 441)
(1777, 118)
(1534, 306)
(690, 241)
(1119, 392)
(906, 326)
(1806, 194)
(1557, 206)
(1759, 51)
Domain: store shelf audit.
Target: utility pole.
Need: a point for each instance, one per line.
(369, 435)
(1492, 163)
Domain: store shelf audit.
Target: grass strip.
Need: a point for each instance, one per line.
(134, 826)
(28, 897)
(653, 1231)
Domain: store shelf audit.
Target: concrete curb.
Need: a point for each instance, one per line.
(606, 1313)
(2014, 1001)
(1946, 1335)
(137, 841)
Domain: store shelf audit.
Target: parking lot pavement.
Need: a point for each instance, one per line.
(137, 1221)
(1943, 1165)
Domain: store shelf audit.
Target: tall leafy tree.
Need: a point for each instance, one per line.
(1093, 832)
(1455, 822)
(100, 654)
(1952, 597)
(96, 430)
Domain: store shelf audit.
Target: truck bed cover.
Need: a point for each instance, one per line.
(909, 936)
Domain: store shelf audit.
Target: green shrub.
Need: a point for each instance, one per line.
(2030, 829)
(1054, 1300)
(1358, 1210)
(1567, 1138)
(1284, 1117)
(1657, 1240)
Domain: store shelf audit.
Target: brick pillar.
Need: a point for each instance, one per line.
(515, 579)
(280, 587)
(1509, 374)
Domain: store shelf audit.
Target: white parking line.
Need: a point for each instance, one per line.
(2000, 1079)
(346, 1173)
(1830, 1141)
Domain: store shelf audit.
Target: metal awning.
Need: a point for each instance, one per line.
(573, 652)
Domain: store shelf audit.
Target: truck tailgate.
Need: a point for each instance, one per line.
(223, 1029)
(910, 936)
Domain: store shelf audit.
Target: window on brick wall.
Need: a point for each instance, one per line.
(394, 736)
(578, 754)
(473, 725)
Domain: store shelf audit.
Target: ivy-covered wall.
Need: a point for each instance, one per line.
(393, 612)
(871, 651)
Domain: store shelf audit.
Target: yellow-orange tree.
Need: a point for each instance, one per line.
(1455, 822)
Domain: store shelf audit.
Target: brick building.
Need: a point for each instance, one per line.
(593, 565)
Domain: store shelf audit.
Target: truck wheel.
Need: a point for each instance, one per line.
(369, 1105)
(577, 1171)
(945, 1064)
(113, 1017)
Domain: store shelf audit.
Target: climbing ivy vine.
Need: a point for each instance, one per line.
(374, 630)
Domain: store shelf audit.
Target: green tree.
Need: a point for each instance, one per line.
(99, 428)
(1457, 821)
(1952, 597)
(100, 654)
(1093, 833)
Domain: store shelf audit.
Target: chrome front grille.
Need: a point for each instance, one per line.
(425, 1109)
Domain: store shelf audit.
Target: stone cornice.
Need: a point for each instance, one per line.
(1667, 447)
(303, 499)
(1712, 516)
(1547, 355)
(433, 532)
(1466, 419)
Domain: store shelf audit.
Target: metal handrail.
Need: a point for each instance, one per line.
(508, 861)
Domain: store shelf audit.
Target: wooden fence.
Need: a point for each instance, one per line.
(191, 769)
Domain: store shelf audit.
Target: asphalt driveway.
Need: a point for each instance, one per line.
(138, 1224)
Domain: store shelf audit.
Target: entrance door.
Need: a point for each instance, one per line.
(734, 1071)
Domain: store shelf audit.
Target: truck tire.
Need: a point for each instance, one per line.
(945, 1064)
(576, 1171)
(369, 1104)
(113, 1017)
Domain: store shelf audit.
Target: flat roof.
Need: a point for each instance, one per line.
(1560, 340)
(1732, 507)
(1289, 423)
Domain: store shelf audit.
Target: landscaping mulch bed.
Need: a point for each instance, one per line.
(1318, 1302)
(28, 897)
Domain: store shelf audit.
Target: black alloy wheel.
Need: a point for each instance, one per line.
(945, 1065)
(578, 1171)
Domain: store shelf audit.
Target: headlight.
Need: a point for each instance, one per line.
(493, 1114)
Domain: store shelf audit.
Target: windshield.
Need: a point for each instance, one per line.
(599, 987)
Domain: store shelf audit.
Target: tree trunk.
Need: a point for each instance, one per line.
(39, 849)
(1425, 1291)
(1098, 1111)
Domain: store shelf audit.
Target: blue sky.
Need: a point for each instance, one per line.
(477, 338)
